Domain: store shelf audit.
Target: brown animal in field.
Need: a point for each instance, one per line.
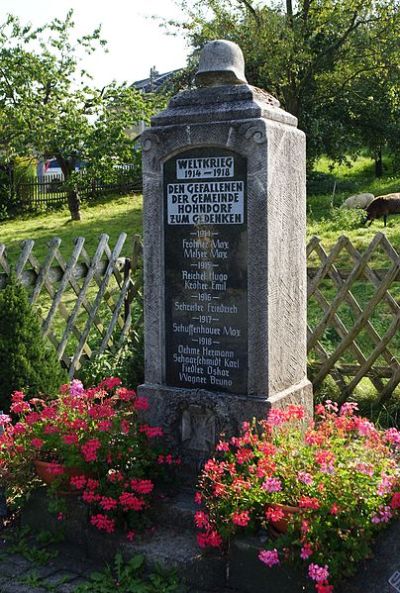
(382, 206)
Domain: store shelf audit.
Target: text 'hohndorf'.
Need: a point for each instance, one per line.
(219, 202)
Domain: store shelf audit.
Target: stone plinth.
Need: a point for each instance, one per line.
(225, 263)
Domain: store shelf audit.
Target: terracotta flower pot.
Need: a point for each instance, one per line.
(281, 525)
(49, 471)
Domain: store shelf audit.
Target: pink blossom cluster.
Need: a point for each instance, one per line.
(104, 452)
(209, 539)
(318, 573)
(269, 557)
(103, 522)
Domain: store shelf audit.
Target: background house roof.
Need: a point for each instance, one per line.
(155, 81)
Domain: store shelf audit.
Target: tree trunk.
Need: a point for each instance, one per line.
(74, 204)
(378, 163)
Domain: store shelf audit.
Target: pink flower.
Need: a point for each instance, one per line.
(383, 515)
(4, 419)
(110, 383)
(294, 411)
(89, 450)
(76, 388)
(210, 538)
(60, 517)
(365, 427)
(244, 455)
(242, 519)
(272, 485)
(318, 573)
(89, 496)
(151, 431)
(348, 409)
(201, 520)
(141, 403)
(32, 418)
(70, 439)
(37, 443)
(395, 502)
(305, 478)
(130, 535)
(107, 503)
(222, 446)
(104, 425)
(125, 394)
(274, 514)
(78, 482)
(130, 502)
(386, 485)
(92, 484)
(79, 424)
(142, 486)
(17, 396)
(99, 411)
(392, 436)
(214, 539)
(307, 502)
(19, 428)
(323, 588)
(19, 406)
(306, 551)
(365, 468)
(103, 522)
(331, 406)
(198, 499)
(276, 417)
(335, 509)
(269, 557)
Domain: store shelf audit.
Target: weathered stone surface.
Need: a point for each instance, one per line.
(221, 62)
(248, 125)
(168, 406)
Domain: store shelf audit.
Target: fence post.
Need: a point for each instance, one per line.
(128, 299)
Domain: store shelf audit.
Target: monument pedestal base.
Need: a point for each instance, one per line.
(193, 419)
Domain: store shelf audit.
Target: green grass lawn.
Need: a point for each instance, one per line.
(324, 216)
(109, 215)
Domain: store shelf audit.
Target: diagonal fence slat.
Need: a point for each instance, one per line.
(82, 294)
(356, 272)
(83, 302)
(99, 296)
(359, 281)
(355, 307)
(359, 324)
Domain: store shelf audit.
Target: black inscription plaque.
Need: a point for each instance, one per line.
(205, 221)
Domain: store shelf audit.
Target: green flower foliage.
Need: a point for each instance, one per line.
(27, 362)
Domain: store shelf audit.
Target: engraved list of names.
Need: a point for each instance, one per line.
(205, 221)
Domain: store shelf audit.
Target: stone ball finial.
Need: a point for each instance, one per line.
(221, 62)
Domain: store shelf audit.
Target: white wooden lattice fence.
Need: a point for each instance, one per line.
(88, 304)
(84, 302)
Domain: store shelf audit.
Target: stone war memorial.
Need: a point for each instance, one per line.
(224, 256)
